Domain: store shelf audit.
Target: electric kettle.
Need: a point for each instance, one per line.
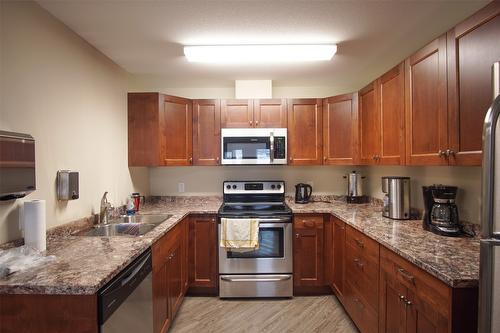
(303, 193)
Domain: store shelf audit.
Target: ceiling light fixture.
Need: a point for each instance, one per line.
(224, 54)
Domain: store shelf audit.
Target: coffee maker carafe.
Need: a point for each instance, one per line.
(441, 212)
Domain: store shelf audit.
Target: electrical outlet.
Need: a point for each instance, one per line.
(180, 187)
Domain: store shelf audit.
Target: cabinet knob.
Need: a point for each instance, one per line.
(325, 158)
(213, 220)
(441, 153)
(449, 152)
(291, 159)
(250, 122)
(217, 159)
(296, 235)
(256, 122)
(190, 160)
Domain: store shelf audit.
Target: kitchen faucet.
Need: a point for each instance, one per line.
(104, 210)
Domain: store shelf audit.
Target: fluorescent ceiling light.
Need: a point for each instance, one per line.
(259, 53)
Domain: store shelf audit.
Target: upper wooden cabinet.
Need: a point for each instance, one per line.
(426, 105)
(159, 130)
(206, 132)
(270, 113)
(391, 103)
(243, 113)
(369, 125)
(473, 46)
(305, 140)
(340, 129)
(237, 113)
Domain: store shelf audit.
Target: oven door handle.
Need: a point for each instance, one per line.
(275, 278)
(276, 220)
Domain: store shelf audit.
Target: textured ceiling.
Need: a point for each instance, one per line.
(146, 37)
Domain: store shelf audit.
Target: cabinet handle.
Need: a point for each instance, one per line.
(325, 158)
(256, 122)
(374, 157)
(217, 159)
(449, 153)
(407, 302)
(407, 276)
(213, 220)
(402, 298)
(291, 159)
(250, 122)
(190, 160)
(297, 236)
(360, 243)
(357, 301)
(358, 263)
(441, 153)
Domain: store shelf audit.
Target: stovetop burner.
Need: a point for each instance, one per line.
(257, 208)
(254, 198)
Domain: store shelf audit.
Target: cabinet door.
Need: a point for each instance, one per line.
(305, 141)
(308, 250)
(175, 281)
(369, 125)
(144, 135)
(422, 317)
(161, 310)
(391, 103)
(426, 108)
(206, 132)
(177, 125)
(392, 314)
(270, 113)
(203, 251)
(328, 251)
(473, 46)
(338, 256)
(237, 113)
(340, 129)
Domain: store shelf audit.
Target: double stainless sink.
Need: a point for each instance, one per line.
(135, 225)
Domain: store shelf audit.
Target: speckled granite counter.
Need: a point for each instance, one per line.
(85, 264)
(454, 261)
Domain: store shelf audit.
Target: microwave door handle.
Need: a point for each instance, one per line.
(271, 147)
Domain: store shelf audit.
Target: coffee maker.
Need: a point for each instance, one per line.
(441, 212)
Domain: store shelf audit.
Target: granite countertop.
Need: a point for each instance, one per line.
(85, 264)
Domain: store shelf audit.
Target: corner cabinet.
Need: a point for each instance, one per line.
(159, 130)
(472, 48)
(305, 127)
(340, 129)
(206, 132)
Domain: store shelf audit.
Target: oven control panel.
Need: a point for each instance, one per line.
(252, 187)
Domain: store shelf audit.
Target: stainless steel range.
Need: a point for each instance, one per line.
(267, 271)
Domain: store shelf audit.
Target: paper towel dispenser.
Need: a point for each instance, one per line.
(17, 165)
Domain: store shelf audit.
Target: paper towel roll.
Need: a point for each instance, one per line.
(34, 224)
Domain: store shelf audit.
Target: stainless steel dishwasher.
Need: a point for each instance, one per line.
(125, 304)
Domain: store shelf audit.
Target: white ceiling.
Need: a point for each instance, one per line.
(146, 37)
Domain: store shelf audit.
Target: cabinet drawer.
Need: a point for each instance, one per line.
(365, 318)
(162, 246)
(363, 275)
(426, 287)
(367, 248)
(306, 221)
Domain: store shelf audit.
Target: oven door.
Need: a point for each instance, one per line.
(273, 256)
(253, 146)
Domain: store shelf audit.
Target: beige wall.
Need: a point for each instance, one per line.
(208, 180)
(325, 180)
(160, 84)
(468, 180)
(72, 99)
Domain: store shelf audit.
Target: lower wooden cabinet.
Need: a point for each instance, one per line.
(169, 276)
(308, 251)
(411, 300)
(338, 257)
(202, 251)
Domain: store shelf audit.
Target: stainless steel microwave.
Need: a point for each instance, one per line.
(240, 146)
